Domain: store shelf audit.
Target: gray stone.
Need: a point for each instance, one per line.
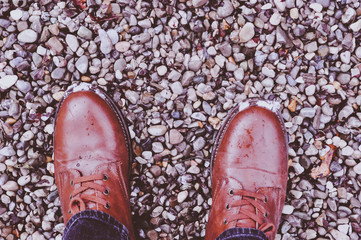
(7, 151)
(157, 147)
(155, 170)
(174, 75)
(27, 136)
(287, 209)
(312, 150)
(345, 113)
(72, 42)
(356, 26)
(268, 83)
(199, 144)
(182, 196)
(311, 47)
(198, 3)
(193, 170)
(106, 45)
(55, 45)
(290, 3)
(85, 33)
(339, 235)
(23, 180)
(343, 78)
(28, 36)
(195, 64)
(226, 9)
(10, 186)
(247, 32)
(157, 211)
(199, 116)
(187, 78)
(268, 72)
(173, 22)
(4, 23)
(349, 15)
(132, 96)
(357, 168)
(122, 46)
(120, 65)
(282, 37)
(225, 48)
(310, 90)
(175, 137)
(23, 86)
(142, 38)
(113, 35)
(239, 74)
(345, 57)
(353, 122)
(299, 30)
(176, 88)
(311, 234)
(58, 73)
(157, 130)
(82, 64)
(324, 3)
(145, 23)
(347, 151)
(162, 70)
(308, 112)
(7, 81)
(259, 58)
(280, 4)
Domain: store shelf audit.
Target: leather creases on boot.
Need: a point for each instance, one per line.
(92, 155)
(250, 170)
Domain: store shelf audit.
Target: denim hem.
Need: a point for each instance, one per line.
(242, 234)
(81, 219)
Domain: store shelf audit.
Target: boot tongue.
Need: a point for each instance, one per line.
(92, 192)
(89, 191)
(247, 222)
(90, 205)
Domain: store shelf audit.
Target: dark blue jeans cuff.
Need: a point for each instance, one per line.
(94, 225)
(242, 234)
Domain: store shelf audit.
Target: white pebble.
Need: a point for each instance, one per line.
(162, 70)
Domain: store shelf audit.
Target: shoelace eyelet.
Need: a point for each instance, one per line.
(70, 197)
(106, 192)
(230, 192)
(227, 206)
(107, 205)
(71, 183)
(266, 199)
(105, 177)
(225, 221)
(266, 214)
(69, 211)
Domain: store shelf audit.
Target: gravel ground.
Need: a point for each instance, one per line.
(176, 68)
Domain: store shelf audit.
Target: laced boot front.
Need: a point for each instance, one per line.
(92, 154)
(252, 210)
(234, 206)
(88, 193)
(249, 174)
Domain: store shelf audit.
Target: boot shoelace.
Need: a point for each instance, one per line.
(250, 198)
(79, 198)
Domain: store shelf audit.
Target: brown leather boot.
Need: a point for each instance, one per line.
(250, 163)
(92, 155)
